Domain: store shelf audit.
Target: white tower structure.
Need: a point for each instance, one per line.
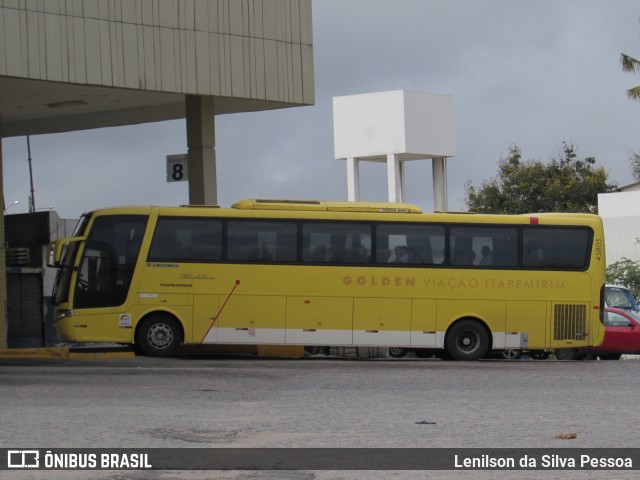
(394, 127)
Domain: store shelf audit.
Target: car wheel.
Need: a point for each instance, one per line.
(610, 356)
(510, 354)
(397, 352)
(566, 353)
(159, 335)
(467, 340)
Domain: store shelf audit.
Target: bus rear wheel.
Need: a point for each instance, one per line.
(159, 335)
(467, 340)
(566, 354)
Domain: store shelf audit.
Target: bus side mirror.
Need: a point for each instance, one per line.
(52, 261)
(57, 249)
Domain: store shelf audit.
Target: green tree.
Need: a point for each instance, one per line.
(627, 273)
(635, 165)
(565, 184)
(631, 65)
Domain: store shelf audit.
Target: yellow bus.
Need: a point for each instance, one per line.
(278, 272)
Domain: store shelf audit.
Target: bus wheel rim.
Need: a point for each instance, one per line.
(160, 335)
(467, 342)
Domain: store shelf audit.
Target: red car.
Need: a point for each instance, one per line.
(621, 335)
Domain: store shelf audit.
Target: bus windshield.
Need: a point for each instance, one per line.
(63, 278)
(109, 257)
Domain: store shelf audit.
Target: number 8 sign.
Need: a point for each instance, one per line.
(177, 168)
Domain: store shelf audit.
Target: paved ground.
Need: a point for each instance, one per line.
(317, 402)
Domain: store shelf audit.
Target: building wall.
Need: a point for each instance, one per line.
(620, 212)
(29, 279)
(254, 49)
(630, 188)
(3, 277)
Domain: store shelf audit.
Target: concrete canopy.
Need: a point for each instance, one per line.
(30, 107)
(76, 65)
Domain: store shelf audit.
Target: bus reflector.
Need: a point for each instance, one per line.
(533, 220)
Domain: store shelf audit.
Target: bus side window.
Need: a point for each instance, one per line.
(556, 247)
(505, 250)
(421, 241)
(484, 246)
(188, 239)
(163, 248)
(261, 241)
(338, 243)
(461, 251)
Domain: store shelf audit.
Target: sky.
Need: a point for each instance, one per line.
(531, 74)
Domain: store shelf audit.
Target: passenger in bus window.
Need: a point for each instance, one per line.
(402, 254)
(360, 254)
(487, 258)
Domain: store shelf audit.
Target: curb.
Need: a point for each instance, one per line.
(63, 353)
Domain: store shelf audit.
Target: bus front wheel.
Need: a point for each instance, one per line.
(467, 340)
(397, 352)
(159, 335)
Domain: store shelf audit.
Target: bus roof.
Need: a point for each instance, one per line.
(326, 206)
(281, 208)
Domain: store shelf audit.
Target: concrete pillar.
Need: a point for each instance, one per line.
(440, 184)
(353, 179)
(4, 324)
(401, 168)
(203, 189)
(394, 178)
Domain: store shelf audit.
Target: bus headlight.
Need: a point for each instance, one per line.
(62, 314)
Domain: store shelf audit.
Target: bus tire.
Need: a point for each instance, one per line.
(467, 340)
(397, 352)
(565, 353)
(159, 335)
